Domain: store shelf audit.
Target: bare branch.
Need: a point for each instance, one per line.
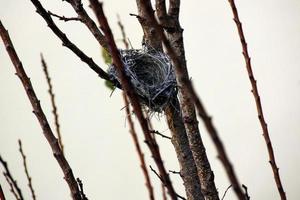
(226, 192)
(97, 7)
(177, 56)
(90, 24)
(257, 101)
(52, 96)
(37, 110)
(12, 182)
(162, 180)
(63, 18)
(138, 148)
(66, 42)
(83, 196)
(124, 37)
(2, 197)
(160, 134)
(246, 192)
(11, 186)
(26, 170)
(175, 172)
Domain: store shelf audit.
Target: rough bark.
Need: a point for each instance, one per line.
(174, 119)
(188, 170)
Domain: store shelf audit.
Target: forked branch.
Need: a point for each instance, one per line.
(97, 7)
(37, 110)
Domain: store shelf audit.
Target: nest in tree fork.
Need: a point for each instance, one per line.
(151, 75)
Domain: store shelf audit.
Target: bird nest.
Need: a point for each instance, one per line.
(152, 76)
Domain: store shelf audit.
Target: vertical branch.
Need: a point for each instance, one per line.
(259, 108)
(54, 111)
(12, 182)
(97, 7)
(124, 38)
(26, 170)
(132, 129)
(37, 110)
(175, 50)
(138, 148)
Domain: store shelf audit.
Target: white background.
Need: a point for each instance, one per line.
(98, 145)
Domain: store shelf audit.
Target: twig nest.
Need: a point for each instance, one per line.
(151, 75)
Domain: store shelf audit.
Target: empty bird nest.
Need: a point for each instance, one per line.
(151, 75)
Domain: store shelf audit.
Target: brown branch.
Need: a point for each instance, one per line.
(63, 18)
(177, 56)
(52, 96)
(160, 134)
(257, 101)
(163, 191)
(97, 7)
(37, 110)
(26, 170)
(162, 180)
(90, 24)
(12, 182)
(226, 192)
(124, 37)
(80, 184)
(11, 186)
(138, 148)
(132, 128)
(66, 42)
(246, 192)
(2, 197)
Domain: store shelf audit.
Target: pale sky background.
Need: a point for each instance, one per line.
(98, 145)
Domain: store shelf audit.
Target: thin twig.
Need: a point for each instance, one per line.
(11, 186)
(162, 180)
(63, 18)
(226, 192)
(175, 172)
(124, 37)
(138, 148)
(257, 101)
(66, 42)
(37, 110)
(26, 170)
(132, 128)
(160, 134)
(12, 182)
(97, 7)
(83, 196)
(247, 197)
(2, 197)
(54, 107)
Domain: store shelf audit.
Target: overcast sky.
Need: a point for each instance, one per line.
(97, 143)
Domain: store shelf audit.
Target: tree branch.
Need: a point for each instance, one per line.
(138, 148)
(63, 18)
(97, 7)
(26, 170)
(66, 42)
(37, 110)
(90, 24)
(2, 197)
(259, 108)
(52, 96)
(177, 56)
(12, 182)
